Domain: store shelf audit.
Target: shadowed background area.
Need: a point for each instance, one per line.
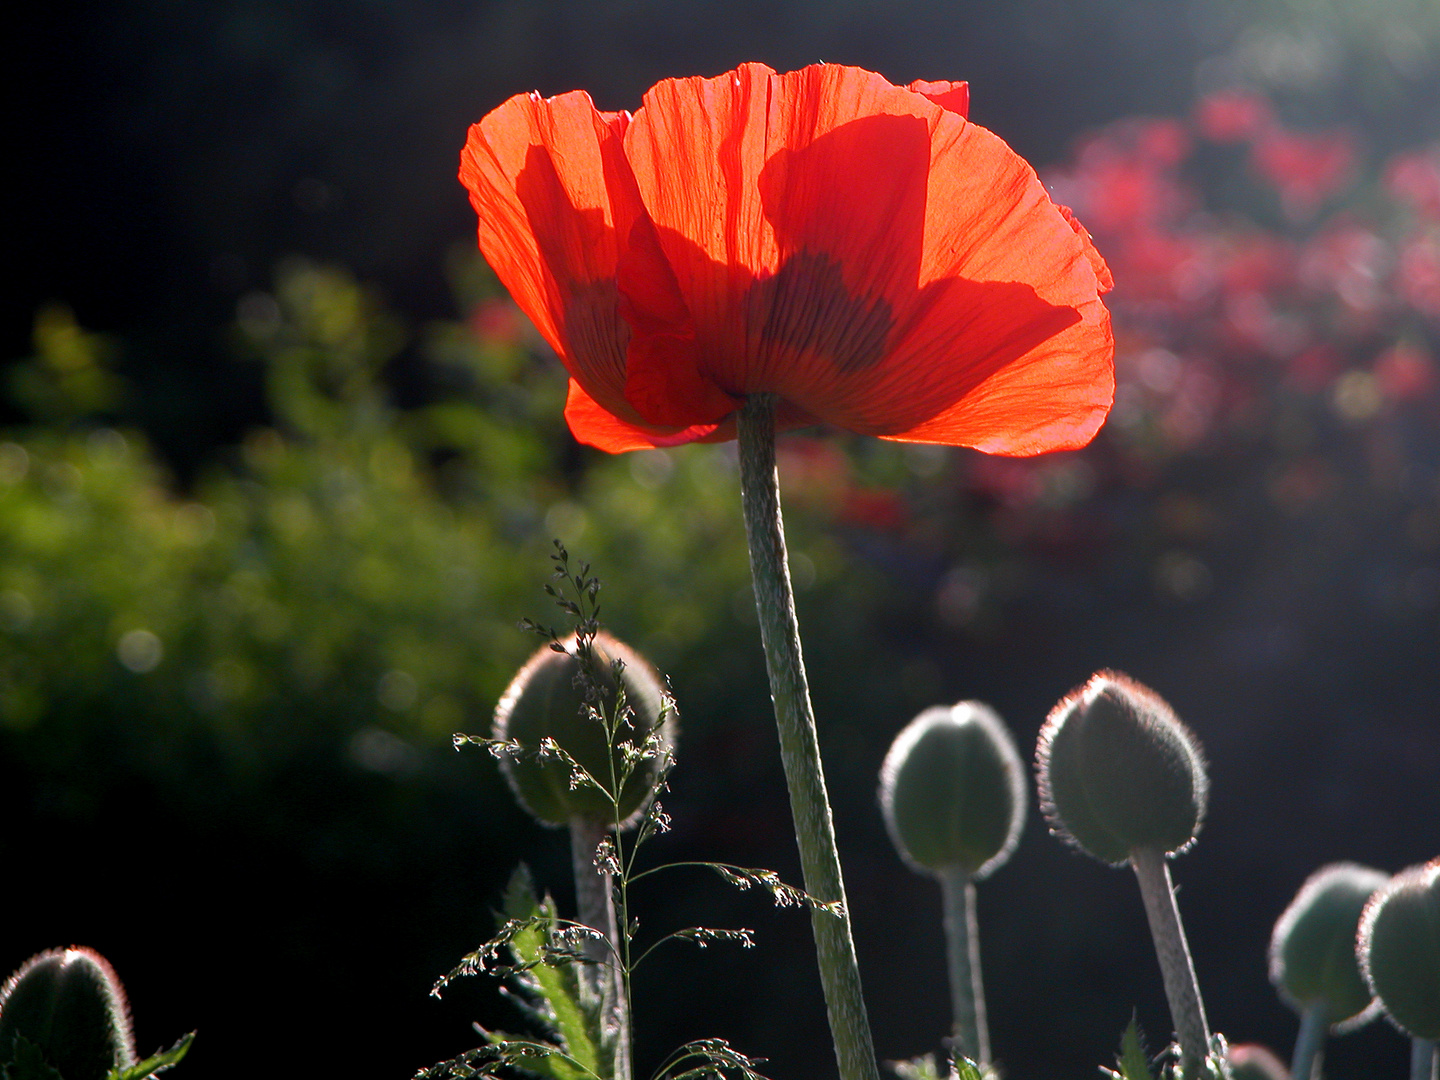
(279, 470)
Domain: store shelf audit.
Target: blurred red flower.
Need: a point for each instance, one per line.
(1405, 373)
(1418, 274)
(1232, 116)
(1306, 168)
(858, 249)
(1414, 178)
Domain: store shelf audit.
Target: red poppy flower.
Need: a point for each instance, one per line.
(858, 249)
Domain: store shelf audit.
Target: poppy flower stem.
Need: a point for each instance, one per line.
(1424, 1059)
(1310, 1043)
(967, 993)
(595, 904)
(1181, 988)
(799, 748)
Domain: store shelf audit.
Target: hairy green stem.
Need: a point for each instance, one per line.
(595, 906)
(799, 748)
(1424, 1060)
(1310, 1043)
(967, 992)
(1187, 1011)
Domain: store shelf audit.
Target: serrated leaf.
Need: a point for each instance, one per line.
(577, 1026)
(1132, 1060)
(520, 901)
(158, 1063)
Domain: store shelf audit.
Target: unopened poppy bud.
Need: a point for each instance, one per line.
(1119, 771)
(1312, 951)
(1251, 1061)
(1399, 948)
(71, 1006)
(952, 790)
(547, 701)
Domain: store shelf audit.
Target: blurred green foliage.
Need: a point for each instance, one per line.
(352, 568)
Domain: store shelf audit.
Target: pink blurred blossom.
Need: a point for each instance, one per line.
(1306, 167)
(1417, 274)
(1232, 116)
(1405, 373)
(1414, 178)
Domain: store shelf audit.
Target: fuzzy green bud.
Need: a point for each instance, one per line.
(547, 700)
(1399, 949)
(952, 790)
(70, 1004)
(1119, 771)
(1312, 951)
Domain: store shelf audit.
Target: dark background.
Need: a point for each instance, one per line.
(167, 156)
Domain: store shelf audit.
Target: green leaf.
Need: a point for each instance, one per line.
(559, 986)
(158, 1063)
(1132, 1060)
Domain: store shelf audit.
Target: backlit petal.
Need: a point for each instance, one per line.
(664, 383)
(1097, 262)
(696, 160)
(595, 425)
(857, 248)
(896, 261)
(954, 96)
(550, 184)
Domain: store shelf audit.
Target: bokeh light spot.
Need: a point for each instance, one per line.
(140, 651)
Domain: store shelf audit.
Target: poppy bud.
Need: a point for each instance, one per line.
(1119, 771)
(1399, 949)
(70, 1004)
(952, 790)
(547, 700)
(1312, 951)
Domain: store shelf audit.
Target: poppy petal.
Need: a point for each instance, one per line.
(663, 381)
(548, 179)
(856, 248)
(1014, 286)
(1049, 401)
(702, 150)
(595, 425)
(896, 260)
(1097, 262)
(952, 96)
(696, 161)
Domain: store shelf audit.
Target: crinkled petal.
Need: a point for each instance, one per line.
(595, 425)
(549, 181)
(1102, 272)
(953, 96)
(664, 382)
(699, 164)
